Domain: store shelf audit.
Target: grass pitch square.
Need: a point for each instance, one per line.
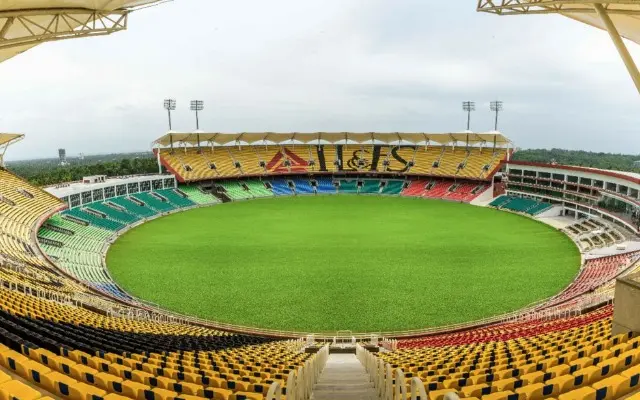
(326, 263)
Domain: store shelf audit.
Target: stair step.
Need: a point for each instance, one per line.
(344, 396)
(343, 378)
(344, 387)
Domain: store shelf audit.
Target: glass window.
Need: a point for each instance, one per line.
(75, 200)
(98, 195)
(121, 190)
(109, 192)
(133, 187)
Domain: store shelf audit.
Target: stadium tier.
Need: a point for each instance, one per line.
(21, 207)
(573, 362)
(193, 164)
(520, 204)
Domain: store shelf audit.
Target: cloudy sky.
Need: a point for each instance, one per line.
(322, 65)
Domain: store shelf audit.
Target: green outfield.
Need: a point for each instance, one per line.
(323, 263)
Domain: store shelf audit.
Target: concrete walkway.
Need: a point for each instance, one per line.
(343, 378)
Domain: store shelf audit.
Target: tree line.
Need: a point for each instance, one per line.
(43, 173)
(49, 172)
(612, 161)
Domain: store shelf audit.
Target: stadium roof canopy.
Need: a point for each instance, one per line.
(218, 138)
(7, 139)
(27, 23)
(621, 18)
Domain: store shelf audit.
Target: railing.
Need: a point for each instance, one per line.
(300, 382)
(391, 384)
(40, 293)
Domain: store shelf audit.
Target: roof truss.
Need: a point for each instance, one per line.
(507, 7)
(6, 140)
(31, 27)
(173, 138)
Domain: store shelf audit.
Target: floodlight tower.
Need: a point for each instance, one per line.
(169, 105)
(197, 105)
(496, 106)
(468, 106)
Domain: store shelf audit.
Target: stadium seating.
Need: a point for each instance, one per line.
(21, 206)
(258, 189)
(93, 219)
(198, 196)
(134, 208)
(325, 185)
(303, 186)
(236, 191)
(175, 197)
(348, 186)
(520, 204)
(281, 187)
(153, 201)
(119, 215)
(77, 248)
(582, 361)
(392, 187)
(465, 191)
(371, 186)
(437, 189)
(81, 354)
(233, 161)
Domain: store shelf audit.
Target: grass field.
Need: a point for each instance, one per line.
(343, 262)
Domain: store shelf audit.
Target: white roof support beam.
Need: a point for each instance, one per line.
(620, 46)
(32, 27)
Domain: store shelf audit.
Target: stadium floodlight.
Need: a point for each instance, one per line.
(496, 106)
(169, 105)
(468, 106)
(197, 105)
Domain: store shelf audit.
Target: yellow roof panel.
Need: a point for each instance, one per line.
(27, 23)
(220, 138)
(8, 138)
(625, 14)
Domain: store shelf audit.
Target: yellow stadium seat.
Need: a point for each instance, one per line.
(13, 389)
(58, 383)
(237, 386)
(156, 394)
(4, 377)
(508, 384)
(537, 391)
(504, 395)
(130, 389)
(558, 370)
(631, 371)
(533, 377)
(634, 397)
(187, 397)
(475, 390)
(82, 391)
(185, 388)
(214, 393)
(35, 371)
(113, 396)
(584, 393)
(105, 381)
(439, 394)
(246, 396)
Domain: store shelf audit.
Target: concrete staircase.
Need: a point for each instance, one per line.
(343, 378)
